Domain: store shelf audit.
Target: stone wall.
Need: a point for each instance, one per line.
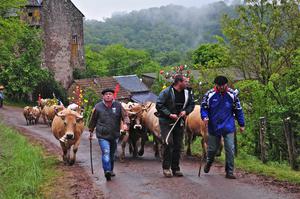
(62, 26)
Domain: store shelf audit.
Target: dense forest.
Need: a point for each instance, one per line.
(167, 33)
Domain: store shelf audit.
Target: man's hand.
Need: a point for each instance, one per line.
(242, 129)
(182, 114)
(173, 116)
(205, 120)
(125, 127)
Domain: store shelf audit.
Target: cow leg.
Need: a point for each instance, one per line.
(75, 149)
(189, 141)
(65, 152)
(204, 142)
(133, 142)
(143, 141)
(44, 118)
(123, 145)
(158, 148)
(204, 148)
(155, 147)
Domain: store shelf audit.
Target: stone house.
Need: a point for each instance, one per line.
(61, 23)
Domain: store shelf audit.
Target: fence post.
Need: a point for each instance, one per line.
(290, 139)
(262, 136)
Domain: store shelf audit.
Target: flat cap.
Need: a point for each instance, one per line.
(107, 90)
(221, 80)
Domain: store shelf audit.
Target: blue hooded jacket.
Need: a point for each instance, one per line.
(221, 109)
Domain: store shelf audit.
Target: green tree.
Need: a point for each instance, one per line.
(264, 38)
(211, 56)
(263, 41)
(117, 60)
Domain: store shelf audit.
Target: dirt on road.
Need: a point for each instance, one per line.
(142, 177)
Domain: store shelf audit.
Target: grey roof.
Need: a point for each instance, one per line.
(151, 75)
(144, 97)
(34, 2)
(131, 83)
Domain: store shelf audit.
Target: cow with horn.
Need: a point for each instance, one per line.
(67, 127)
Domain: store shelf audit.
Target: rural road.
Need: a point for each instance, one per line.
(142, 177)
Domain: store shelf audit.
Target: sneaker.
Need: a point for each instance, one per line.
(207, 167)
(230, 176)
(112, 174)
(167, 173)
(107, 175)
(177, 173)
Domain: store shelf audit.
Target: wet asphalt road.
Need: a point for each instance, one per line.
(142, 177)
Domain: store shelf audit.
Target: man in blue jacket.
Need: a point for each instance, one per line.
(219, 107)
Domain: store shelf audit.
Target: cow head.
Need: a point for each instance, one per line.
(135, 119)
(70, 119)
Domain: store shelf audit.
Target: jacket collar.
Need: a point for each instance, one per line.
(218, 91)
(186, 96)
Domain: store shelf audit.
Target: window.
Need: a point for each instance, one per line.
(74, 39)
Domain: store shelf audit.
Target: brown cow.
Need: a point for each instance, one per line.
(36, 112)
(27, 112)
(151, 123)
(136, 132)
(49, 113)
(67, 127)
(194, 126)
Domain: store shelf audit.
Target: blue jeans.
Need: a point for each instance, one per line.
(213, 146)
(108, 149)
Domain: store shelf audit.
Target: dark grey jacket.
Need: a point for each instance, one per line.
(165, 104)
(107, 120)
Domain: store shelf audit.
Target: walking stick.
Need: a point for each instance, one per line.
(91, 156)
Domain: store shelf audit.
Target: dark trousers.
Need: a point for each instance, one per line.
(1, 102)
(171, 151)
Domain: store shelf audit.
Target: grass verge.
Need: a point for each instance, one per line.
(24, 168)
(251, 164)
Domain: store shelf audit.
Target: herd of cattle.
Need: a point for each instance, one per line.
(67, 126)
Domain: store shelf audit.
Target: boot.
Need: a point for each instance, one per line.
(112, 174)
(230, 176)
(108, 176)
(207, 167)
(167, 173)
(177, 173)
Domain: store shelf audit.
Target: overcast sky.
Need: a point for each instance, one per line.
(99, 9)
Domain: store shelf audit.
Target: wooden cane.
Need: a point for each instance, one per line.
(91, 156)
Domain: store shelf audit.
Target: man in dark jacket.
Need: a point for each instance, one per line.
(219, 107)
(106, 117)
(173, 105)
